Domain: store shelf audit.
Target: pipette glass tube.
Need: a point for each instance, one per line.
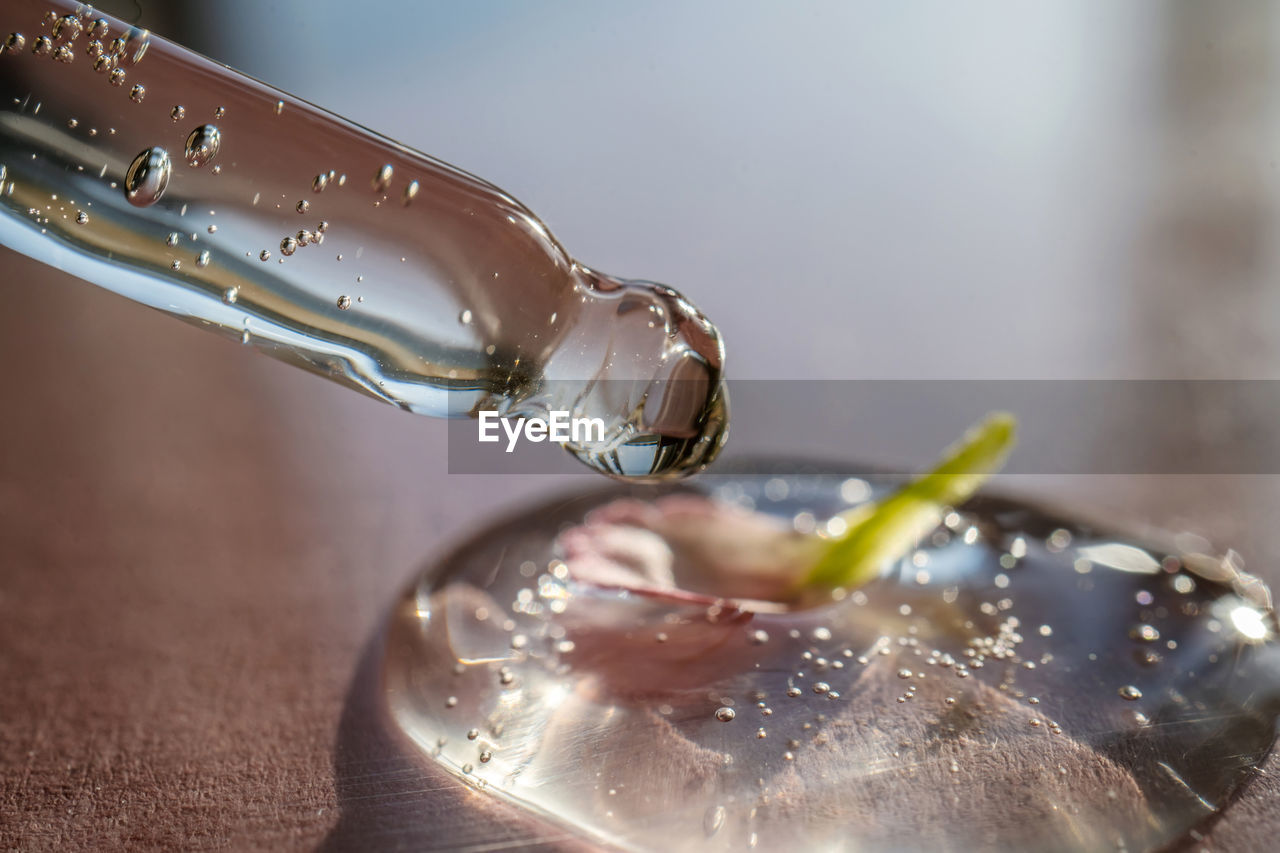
(147, 169)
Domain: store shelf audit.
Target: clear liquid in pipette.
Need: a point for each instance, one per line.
(146, 169)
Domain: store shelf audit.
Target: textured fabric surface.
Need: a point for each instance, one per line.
(196, 547)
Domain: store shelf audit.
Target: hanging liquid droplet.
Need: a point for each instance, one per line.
(344, 302)
(202, 145)
(147, 177)
(541, 345)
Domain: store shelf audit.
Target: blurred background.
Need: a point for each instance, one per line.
(200, 543)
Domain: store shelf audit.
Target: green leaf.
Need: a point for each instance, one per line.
(882, 531)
